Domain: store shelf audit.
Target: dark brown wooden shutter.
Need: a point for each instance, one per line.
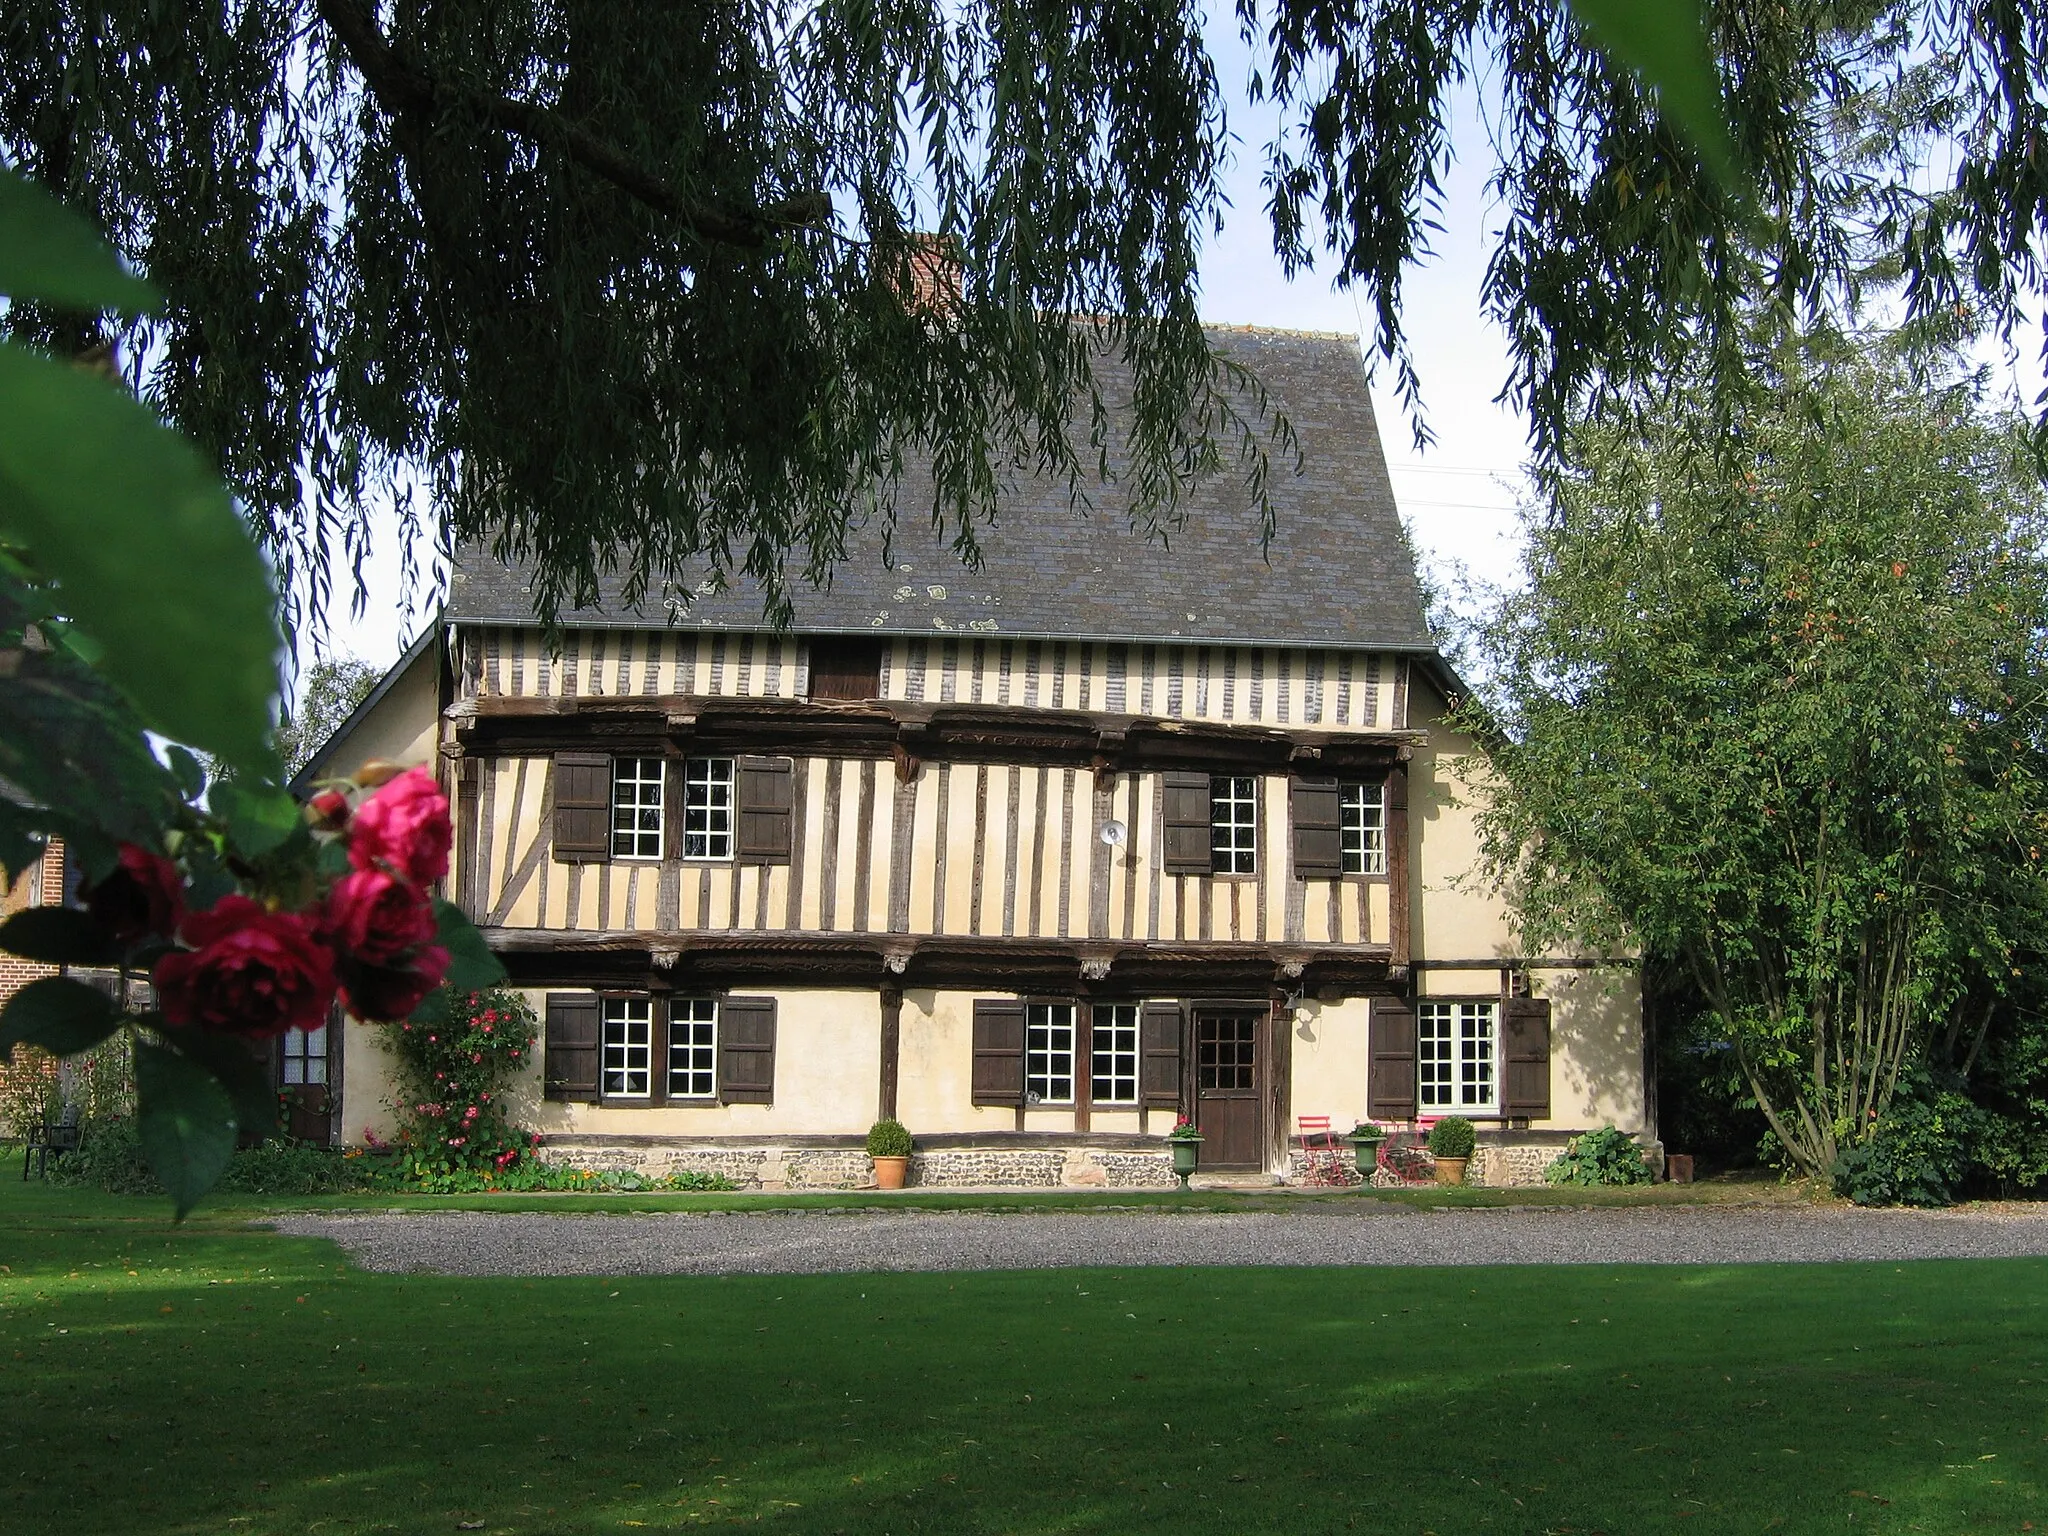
(746, 1050)
(846, 668)
(1318, 821)
(1525, 1053)
(1159, 1030)
(1390, 1076)
(583, 807)
(569, 1047)
(1184, 810)
(998, 1051)
(766, 788)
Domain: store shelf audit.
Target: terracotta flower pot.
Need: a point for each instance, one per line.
(889, 1172)
(1451, 1170)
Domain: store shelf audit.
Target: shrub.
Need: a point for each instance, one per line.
(888, 1138)
(109, 1157)
(406, 1170)
(1603, 1157)
(1917, 1155)
(1452, 1136)
(29, 1090)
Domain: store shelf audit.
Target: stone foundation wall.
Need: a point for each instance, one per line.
(835, 1168)
(1493, 1165)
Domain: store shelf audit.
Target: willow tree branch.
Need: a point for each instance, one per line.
(403, 88)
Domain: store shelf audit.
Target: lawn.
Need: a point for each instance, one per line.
(214, 1379)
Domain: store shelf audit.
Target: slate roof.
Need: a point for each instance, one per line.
(1338, 571)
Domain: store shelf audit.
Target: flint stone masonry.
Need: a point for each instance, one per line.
(1492, 1166)
(833, 1168)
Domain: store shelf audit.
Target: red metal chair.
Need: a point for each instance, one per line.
(1322, 1160)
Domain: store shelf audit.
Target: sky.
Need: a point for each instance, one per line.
(1456, 498)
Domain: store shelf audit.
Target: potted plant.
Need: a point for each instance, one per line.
(889, 1148)
(1451, 1141)
(1186, 1142)
(1366, 1138)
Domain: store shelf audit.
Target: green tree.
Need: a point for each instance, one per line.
(1772, 710)
(334, 686)
(623, 286)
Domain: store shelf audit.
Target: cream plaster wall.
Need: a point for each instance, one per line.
(1330, 1060)
(401, 727)
(935, 1075)
(1596, 1048)
(1454, 914)
(828, 1068)
(367, 1084)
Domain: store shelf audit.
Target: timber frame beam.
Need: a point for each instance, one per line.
(668, 962)
(914, 734)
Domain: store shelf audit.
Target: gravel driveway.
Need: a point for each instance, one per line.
(820, 1242)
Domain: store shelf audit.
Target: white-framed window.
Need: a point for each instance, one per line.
(1456, 1057)
(692, 1048)
(1048, 1053)
(1233, 824)
(305, 1056)
(1114, 1061)
(707, 808)
(636, 807)
(1363, 818)
(628, 1048)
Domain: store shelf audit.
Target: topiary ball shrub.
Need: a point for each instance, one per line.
(888, 1138)
(1452, 1136)
(1604, 1157)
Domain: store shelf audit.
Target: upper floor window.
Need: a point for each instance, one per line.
(1233, 824)
(1456, 1057)
(636, 807)
(1363, 813)
(707, 808)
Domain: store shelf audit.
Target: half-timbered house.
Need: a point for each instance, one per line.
(1035, 857)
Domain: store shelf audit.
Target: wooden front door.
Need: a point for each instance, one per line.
(1227, 1087)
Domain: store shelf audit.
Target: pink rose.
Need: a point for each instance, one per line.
(386, 992)
(142, 897)
(249, 971)
(404, 827)
(376, 918)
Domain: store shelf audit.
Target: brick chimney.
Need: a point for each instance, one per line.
(935, 277)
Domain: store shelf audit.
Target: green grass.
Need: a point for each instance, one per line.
(214, 1379)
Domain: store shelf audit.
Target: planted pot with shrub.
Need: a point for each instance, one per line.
(889, 1149)
(1451, 1141)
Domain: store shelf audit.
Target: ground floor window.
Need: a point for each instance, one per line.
(692, 1048)
(1049, 1053)
(305, 1056)
(628, 1048)
(1115, 1060)
(1455, 1057)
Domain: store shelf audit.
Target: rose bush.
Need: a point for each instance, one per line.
(457, 1058)
(256, 916)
